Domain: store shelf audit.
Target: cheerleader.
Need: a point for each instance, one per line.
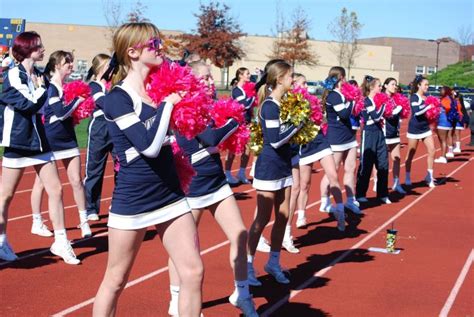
(444, 127)
(458, 126)
(373, 147)
(272, 178)
(22, 134)
(209, 190)
(147, 192)
(419, 129)
(242, 76)
(317, 150)
(99, 143)
(340, 134)
(60, 134)
(392, 133)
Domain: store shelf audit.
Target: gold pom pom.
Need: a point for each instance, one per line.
(296, 110)
(256, 138)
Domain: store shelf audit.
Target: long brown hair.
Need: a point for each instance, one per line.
(368, 83)
(274, 72)
(415, 83)
(338, 73)
(130, 35)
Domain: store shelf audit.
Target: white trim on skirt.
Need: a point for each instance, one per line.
(64, 154)
(21, 162)
(272, 185)
(210, 199)
(315, 157)
(392, 141)
(440, 127)
(419, 136)
(343, 147)
(150, 218)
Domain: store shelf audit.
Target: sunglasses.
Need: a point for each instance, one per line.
(153, 43)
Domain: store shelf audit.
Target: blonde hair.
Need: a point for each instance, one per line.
(274, 72)
(130, 35)
(98, 63)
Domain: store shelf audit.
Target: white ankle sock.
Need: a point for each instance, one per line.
(174, 291)
(458, 144)
(300, 213)
(450, 149)
(60, 235)
(324, 201)
(83, 215)
(3, 238)
(250, 258)
(242, 289)
(430, 172)
(37, 218)
(287, 232)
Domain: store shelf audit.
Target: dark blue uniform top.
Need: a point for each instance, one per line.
(372, 117)
(418, 123)
(338, 116)
(392, 124)
(205, 158)
(58, 121)
(147, 179)
(20, 101)
(238, 94)
(98, 93)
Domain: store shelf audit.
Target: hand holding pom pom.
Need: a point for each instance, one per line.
(316, 110)
(249, 89)
(190, 116)
(79, 89)
(401, 100)
(224, 109)
(432, 114)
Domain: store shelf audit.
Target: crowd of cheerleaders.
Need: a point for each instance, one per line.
(165, 130)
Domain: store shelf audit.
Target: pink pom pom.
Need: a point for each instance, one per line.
(324, 128)
(316, 110)
(433, 113)
(75, 89)
(401, 100)
(184, 168)
(190, 116)
(227, 108)
(358, 107)
(380, 99)
(108, 86)
(350, 92)
(249, 89)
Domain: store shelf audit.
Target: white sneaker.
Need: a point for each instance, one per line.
(263, 245)
(430, 181)
(441, 160)
(457, 150)
(40, 229)
(362, 199)
(252, 279)
(85, 229)
(65, 251)
(246, 305)
(341, 219)
(6, 252)
(325, 207)
(277, 273)
(398, 188)
(450, 154)
(232, 180)
(93, 217)
(173, 308)
(289, 246)
(301, 222)
(385, 200)
(353, 207)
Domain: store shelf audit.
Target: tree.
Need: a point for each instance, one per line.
(217, 36)
(465, 35)
(113, 14)
(136, 13)
(346, 29)
(292, 43)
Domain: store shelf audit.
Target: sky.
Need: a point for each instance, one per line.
(424, 19)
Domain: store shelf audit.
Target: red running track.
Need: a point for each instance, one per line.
(334, 274)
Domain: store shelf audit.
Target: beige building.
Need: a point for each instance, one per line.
(87, 41)
(416, 56)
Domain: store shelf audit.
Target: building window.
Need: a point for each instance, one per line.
(431, 70)
(420, 70)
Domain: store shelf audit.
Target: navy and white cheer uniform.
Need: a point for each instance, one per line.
(392, 126)
(315, 150)
(273, 166)
(418, 126)
(295, 155)
(239, 95)
(373, 151)
(21, 128)
(99, 145)
(147, 191)
(59, 124)
(340, 134)
(209, 185)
